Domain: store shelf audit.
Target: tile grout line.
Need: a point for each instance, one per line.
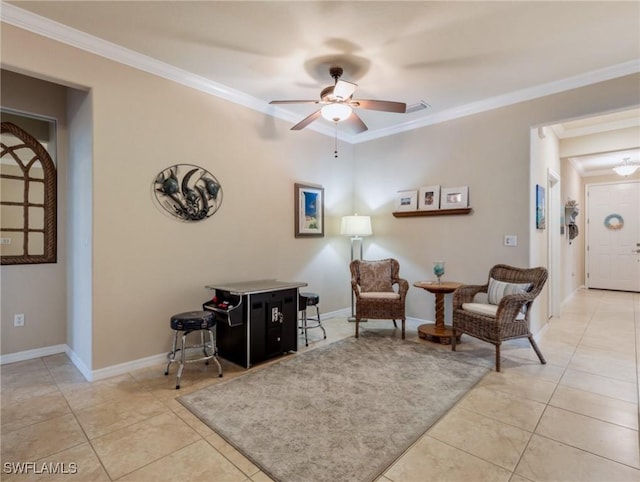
(546, 405)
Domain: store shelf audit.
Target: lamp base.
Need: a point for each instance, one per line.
(352, 319)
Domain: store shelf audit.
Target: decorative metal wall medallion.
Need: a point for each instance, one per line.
(188, 192)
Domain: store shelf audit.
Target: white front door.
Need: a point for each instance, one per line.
(613, 237)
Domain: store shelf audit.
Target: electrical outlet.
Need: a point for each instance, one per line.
(18, 320)
(511, 240)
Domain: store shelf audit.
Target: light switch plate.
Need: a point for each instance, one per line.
(510, 240)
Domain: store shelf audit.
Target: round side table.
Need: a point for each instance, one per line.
(438, 332)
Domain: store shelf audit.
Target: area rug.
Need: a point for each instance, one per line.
(342, 412)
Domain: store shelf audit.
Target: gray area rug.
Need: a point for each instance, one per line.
(342, 412)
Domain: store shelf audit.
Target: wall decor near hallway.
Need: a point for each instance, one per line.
(541, 222)
(613, 222)
(188, 192)
(571, 211)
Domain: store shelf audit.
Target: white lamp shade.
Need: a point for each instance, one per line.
(336, 112)
(356, 226)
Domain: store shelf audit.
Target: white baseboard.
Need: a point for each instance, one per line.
(31, 354)
(343, 313)
(75, 359)
(90, 375)
(346, 312)
(114, 370)
(121, 368)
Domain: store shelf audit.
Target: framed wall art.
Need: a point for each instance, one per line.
(541, 222)
(309, 210)
(407, 200)
(454, 197)
(429, 198)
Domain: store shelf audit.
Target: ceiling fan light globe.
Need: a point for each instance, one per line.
(336, 112)
(625, 169)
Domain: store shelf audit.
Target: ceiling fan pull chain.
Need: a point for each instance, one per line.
(335, 152)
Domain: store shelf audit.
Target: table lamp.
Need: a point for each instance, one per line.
(357, 227)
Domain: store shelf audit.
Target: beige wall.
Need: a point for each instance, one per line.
(490, 153)
(37, 290)
(147, 266)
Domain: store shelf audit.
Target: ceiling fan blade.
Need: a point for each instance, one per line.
(343, 89)
(294, 102)
(306, 121)
(383, 105)
(355, 123)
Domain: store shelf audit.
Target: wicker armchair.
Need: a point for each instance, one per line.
(372, 284)
(498, 310)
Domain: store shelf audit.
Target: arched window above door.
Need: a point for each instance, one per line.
(28, 199)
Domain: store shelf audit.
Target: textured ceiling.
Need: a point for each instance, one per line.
(457, 57)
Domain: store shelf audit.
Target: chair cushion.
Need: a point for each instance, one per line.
(381, 295)
(486, 309)
(481, 297)
(498, 289)
(375, 276)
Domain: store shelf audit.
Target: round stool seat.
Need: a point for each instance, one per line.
(311, 298)
(193, 320)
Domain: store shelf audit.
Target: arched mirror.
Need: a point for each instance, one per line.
(27, 191)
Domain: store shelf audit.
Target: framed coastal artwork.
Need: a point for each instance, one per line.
(309, 210)
(541, 222)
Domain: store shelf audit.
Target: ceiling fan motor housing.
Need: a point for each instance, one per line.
(327, 94)
(335, 73)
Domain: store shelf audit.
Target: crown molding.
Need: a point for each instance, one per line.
(542, 90)
(603, 127)
(577, 166)
(31, 22)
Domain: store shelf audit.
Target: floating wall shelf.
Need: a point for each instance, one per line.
(435, 212)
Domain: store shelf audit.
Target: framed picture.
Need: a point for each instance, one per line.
(454, 197)
(309, 211)
(407, 200)
(429, 198)
(541, 222)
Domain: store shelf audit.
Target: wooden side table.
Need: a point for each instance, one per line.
(438, 332)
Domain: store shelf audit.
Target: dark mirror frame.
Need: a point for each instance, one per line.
(49, 204)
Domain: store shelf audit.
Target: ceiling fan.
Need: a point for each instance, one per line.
(338, 103)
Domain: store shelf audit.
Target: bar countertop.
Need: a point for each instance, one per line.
(257, 286)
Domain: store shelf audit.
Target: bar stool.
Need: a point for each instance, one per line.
(189, 322)
(306, 300)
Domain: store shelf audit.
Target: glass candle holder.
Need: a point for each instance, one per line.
(438, 270)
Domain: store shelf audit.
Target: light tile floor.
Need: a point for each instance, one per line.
(574, 419)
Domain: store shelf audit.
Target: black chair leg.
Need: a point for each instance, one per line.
(537, 350)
